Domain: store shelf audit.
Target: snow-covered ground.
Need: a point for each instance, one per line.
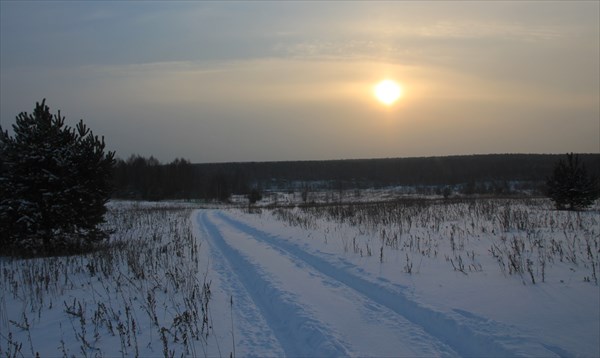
(420, 278)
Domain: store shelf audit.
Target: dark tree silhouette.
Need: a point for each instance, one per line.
(254, 196)
(54, 182)
(219, 188)
(570, 186)
(494, 174)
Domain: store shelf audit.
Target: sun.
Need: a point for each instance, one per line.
(388, 92)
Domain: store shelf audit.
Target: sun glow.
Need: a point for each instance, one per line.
(388, 92)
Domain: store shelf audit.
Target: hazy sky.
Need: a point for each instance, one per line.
(255, 81)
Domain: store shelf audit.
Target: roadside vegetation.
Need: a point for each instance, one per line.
(144, 293)
(523, 238)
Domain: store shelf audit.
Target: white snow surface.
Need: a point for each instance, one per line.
(309, 295)
(221, 282)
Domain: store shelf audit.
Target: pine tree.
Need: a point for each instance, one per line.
(54, 184)
(570, 186)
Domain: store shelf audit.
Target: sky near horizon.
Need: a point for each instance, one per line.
(262, 81)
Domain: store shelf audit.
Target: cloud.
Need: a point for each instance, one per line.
(487, 31)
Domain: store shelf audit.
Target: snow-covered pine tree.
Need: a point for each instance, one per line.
(570, 186)
(54, 184)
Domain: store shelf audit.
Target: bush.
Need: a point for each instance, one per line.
(570, 186)
(54, 182)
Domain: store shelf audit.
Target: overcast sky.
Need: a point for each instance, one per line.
(256, 81)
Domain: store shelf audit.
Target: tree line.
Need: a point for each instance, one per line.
(141, 178)
(148, 179)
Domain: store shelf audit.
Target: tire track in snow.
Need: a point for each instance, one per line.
(298, 334)
(257, 340)
(457, 333)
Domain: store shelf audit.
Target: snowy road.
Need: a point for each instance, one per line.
(288, 300)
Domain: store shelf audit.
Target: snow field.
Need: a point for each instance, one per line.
(423, 243)
(412, 278)
(145, 294)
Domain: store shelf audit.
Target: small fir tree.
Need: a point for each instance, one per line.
(54, 184)
(570, 187)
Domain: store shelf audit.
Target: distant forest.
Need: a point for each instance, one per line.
(498, 174)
